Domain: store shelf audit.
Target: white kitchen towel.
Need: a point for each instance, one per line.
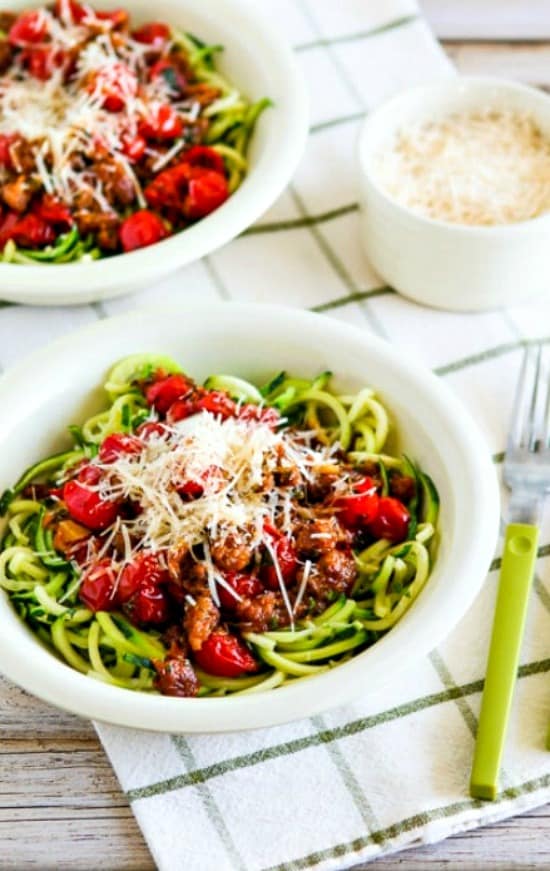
(389, 771)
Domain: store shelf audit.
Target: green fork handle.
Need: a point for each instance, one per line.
(516, 575)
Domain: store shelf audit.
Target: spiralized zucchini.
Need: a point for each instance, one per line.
(43, 586)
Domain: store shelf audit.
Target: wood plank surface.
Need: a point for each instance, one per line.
(60, 804)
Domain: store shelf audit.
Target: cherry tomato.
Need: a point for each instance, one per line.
(218, 403)
(286, 555)
(150, 429)
(6, 141)
(141, 229)
(172, 76)
(118, 17)
(30, 27)
(391, 521)
(115, 85)
(7, 224)
(85, 505)
(32, 232)
(246, 586)
(163, 392)
(133, 147)
(97, 588)
(155, 34)
(162, 123)
(269, 416)
(144, 570)
(149, 605)
(42, 61)
(212, 475)
(225, 656)
(361, 507)
(181, 409)
(168, 188)
(205, 157)
(54, 211)
(116, 444)
(207, 191)
(70, 10)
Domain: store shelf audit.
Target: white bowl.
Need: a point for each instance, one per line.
(59, 386)
(261, 64)
(450, 266)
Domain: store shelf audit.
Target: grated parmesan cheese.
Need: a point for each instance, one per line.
(478, 168)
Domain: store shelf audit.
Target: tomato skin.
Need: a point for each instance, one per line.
(42, 61)
(205, 157)
(134, 147)
(391, 521)
(162, 123)
(287, 559)
(246, 586)
(175, 79)
(180, 410)
(168, 187)
(54, 211)
(98, 585)
(225, 655)
(206, 192)
(140, 589)
(7, 224)
(141, 229)
(149, 429)
(116, 444)
(70, 9)
(86, 506)
(114, 85)
(118, 17)
(218, 403)
(31, 231)
(361, 507)
(154, 33)
(268, 416)
(29, 28)
(163, 392)
(6, 141)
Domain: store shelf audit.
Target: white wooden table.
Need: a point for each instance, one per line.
(60, 803)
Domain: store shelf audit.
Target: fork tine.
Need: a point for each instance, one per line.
(518, 426)
(534, 425)
(546, 414)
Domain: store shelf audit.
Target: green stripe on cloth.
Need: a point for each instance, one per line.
(357, 296)
(489, 354)
(357, 35)
(336, 122)
(410, 824)
(304, 221)
(212, 810)
(354, 727)
(446, 678)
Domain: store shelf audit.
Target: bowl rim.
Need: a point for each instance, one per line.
(454, 84)
(57, 683)
(248, 203)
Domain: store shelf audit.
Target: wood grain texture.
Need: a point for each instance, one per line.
(60, 804)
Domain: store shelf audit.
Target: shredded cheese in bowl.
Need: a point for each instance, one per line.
(474, 168)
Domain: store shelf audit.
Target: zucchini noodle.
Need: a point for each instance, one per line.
(43, 584)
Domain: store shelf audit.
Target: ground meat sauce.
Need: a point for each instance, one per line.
(119, 149)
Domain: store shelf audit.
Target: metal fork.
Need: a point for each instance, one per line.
(527, 474)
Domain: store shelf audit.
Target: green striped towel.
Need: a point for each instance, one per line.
(389, 771)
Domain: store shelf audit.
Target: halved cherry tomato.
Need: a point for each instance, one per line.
(149, 429)
(31, 231)
(217, 402)
(31, 27)
(181, 409)
(225, 656)
(118, 17)
(212, 476)
(42, 61)
(155, 34)
(162, 122)
(144, 569)
(246, 586)
(168, 188)
(361, 507)
(85, 505)
(141, 229)
(269, 416)
(70, 10)
(205, 157)
(391, 521)
(116, 444)
(133, 147)
(7, 224)
(53, 210)
(286, 555)
(207, 191)
(171, 75)
(97, 588)
(163, 392)
(6, 141)
(115, 85)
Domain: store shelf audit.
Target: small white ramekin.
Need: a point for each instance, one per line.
(450, 266)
